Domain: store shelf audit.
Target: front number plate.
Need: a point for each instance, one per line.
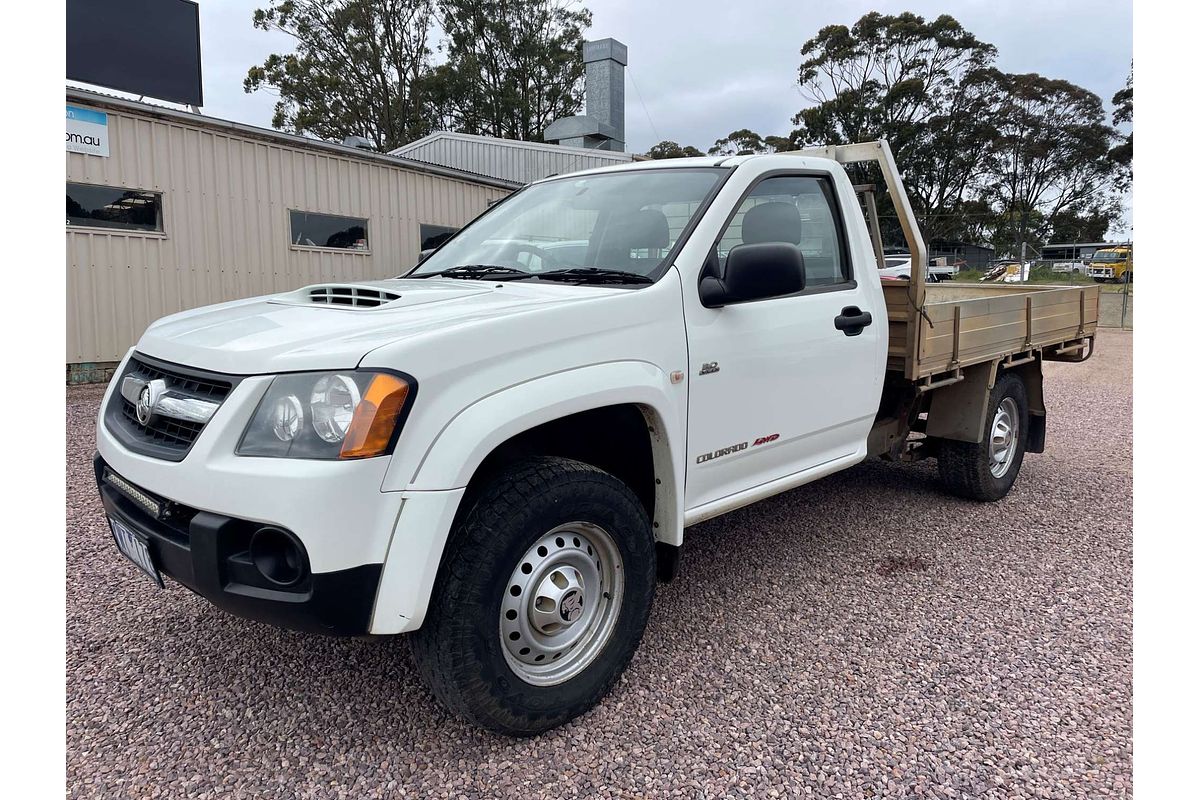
(134, 548)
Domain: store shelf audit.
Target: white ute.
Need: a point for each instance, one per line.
(500, 451)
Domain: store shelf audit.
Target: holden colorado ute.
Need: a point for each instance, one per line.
(500, 452)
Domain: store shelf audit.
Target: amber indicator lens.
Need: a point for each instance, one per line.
(375, 418)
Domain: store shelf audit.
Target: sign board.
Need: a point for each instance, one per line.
(87, 131)
(146, 47)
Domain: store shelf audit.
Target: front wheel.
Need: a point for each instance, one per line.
(541, 599)
(986, 470)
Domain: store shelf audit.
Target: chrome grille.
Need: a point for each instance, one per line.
(141, 367)
(171, 432)
(163, 436)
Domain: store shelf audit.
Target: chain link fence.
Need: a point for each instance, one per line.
(1116, 308)
(1116, 299)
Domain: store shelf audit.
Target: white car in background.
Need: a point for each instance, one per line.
(1068, 267)
(899, 267)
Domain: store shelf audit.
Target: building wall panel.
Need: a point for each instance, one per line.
(226, 202)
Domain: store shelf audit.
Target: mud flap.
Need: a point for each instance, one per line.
(1037, 433)
(958, 411)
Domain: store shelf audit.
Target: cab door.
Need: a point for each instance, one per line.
(784, 385)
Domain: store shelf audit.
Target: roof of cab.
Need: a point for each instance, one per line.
(677, 163)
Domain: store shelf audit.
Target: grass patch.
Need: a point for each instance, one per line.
(1046, 276)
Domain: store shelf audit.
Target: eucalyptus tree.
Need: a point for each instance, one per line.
(512, 66)
(359, 68)
(394, 70)
(925, 85)
(669, 149)
(1050, 163)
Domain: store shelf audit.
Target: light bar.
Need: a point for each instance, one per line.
(133, 493)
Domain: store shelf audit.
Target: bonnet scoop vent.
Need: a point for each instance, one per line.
(347, 296)
(376, 296)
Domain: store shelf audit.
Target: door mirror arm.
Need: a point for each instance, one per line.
(713, 293)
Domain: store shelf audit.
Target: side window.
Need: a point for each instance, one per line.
(433, 235)
(798, 210)
(113, 207)
(310, 229)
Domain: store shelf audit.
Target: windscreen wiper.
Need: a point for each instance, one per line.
(591, 275)
(492, 271)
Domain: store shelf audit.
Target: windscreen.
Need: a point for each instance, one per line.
(626, 221)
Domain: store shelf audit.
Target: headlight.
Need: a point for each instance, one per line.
(287, 417)
(329, 415)
(333, 402)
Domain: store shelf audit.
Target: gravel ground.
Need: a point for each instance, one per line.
(862, 637)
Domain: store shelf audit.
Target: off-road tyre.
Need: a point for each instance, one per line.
(965, 467)
(458, 649)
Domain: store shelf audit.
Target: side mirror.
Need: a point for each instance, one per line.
(425, 254)
(755, 272)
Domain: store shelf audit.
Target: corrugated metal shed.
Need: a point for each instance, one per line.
(506, 159)
(227, 190)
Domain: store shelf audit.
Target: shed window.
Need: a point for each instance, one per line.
(433, 235)
(327, 230)
(112, 207)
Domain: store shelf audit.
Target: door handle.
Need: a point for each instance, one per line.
(852, 320)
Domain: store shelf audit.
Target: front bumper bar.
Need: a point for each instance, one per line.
(208, 553)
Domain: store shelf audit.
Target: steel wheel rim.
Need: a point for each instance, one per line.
(561, 603)
(1002, 444)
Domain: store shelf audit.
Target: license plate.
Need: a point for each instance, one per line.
(134, 547)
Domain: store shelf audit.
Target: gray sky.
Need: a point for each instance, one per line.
(704, 68)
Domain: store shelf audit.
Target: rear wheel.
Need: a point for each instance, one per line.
(542, 598)
(986, 470)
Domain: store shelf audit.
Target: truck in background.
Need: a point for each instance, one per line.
(1112, 265)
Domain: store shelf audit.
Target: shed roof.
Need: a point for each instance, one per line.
(506, 159)
(115, 103)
